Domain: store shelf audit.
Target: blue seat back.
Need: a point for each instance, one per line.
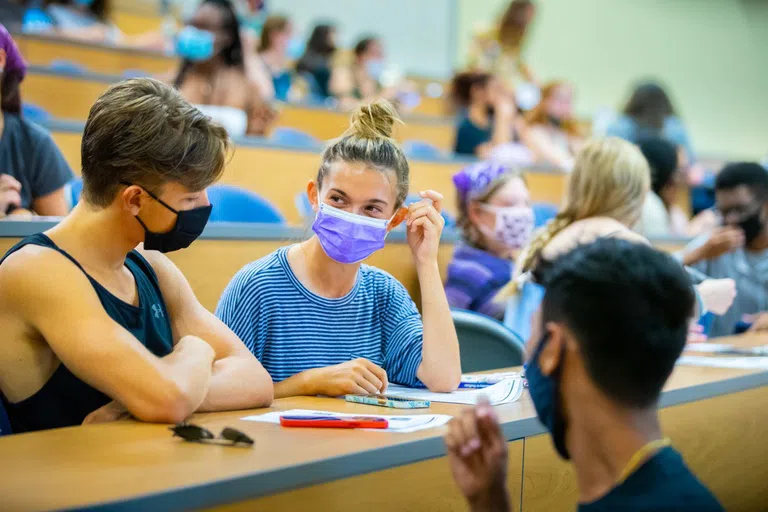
(5, 423)
(543, 213)
(73, 190)
(233, 204)
(303, 206)
(35, 113)
(135, 73)
(485, 343)
(421, 149)
(293, 137)
(67, 66)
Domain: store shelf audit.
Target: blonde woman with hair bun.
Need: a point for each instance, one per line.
(321, 322)
(605, 196)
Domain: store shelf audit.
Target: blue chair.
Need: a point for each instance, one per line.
(135, 73)
(233, 204)
(485, 343)
(293, 137)
(5, 423)
(543, 213)
(303, 206)
(73, 190)
(421, 149)
(67, 66)
(35, 113)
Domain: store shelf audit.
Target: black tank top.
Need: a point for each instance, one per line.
(66, 400)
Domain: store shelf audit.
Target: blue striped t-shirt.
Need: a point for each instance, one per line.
(290, 329)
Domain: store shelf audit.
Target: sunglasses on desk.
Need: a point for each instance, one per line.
(197, 434)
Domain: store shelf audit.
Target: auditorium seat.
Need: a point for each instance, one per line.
(286, 136)
(485, 343)
(423, 150)
(67, 66)
(73, 190)
(543, 213)
(35, 113)
(234, 204)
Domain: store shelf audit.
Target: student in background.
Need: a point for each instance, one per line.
(33, 171)
(553, 134)
(212, 73)
(87, 20)
(649, 112)
(499, 51)
(318, 58)
(595, 373)
(321, 322)
(605, 198)
(661, 215)
(739, 248)
(273, 58)
(496, 221)
(95, 329)
(486, 114)
(361, 81)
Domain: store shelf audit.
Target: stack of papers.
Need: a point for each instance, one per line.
(402, 424)
(744, 363)
(722, 348)
(504, 392)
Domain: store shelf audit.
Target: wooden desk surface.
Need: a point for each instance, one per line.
(41, 50)
(139, 466)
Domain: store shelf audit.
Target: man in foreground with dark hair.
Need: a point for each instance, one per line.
(595, 374)
(741, 194)
(94, 328)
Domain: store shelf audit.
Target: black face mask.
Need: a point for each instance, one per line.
(752, 226)
(188, 227)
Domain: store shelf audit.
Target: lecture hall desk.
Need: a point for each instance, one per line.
(716, 417)
(280, 173)
(76, 93)
(41, 50)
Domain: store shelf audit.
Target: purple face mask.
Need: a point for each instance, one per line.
(346, 237)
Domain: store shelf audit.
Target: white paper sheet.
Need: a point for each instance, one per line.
(402, 424)
(506, 391)
(722, 348)
(745, 363)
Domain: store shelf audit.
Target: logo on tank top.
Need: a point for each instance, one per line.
(157, 311)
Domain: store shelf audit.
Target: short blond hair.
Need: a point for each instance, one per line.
(610, 178)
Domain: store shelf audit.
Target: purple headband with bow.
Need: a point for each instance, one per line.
(474, 180)
(14, 62)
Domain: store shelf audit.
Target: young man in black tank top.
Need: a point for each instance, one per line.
(93, 329)
(596, 369)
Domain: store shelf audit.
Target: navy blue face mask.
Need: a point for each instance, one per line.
(188, 227)
(546, 398)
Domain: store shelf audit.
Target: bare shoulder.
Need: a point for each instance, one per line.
(38, 271)
(161, 264)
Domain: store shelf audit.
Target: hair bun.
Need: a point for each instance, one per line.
(374, 120)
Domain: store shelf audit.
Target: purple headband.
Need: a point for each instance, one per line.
(14, 62)
(475, 179)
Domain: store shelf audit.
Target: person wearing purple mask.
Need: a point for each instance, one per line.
(496, 220)
(320, 321)
(33, 171)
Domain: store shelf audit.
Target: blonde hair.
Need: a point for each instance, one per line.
(610, 179)
(369, 140)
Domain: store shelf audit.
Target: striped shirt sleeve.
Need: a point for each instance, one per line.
(403, 334)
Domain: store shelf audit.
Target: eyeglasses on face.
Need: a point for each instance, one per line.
(198, 434)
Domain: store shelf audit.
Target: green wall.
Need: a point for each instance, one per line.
(711, 54)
